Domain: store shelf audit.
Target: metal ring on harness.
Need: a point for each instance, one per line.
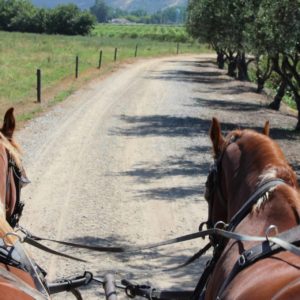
(271, 228)
(220, 225)
(5, 241)
(129, 291)
(201, 226)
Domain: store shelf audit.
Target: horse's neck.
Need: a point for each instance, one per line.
(281, 208)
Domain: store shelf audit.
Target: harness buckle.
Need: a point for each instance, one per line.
(271, 229)
(220, 225)
(23, 230)
(201, 226)
(242, 260)
(6, 241)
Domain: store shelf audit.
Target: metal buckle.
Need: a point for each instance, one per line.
(220, 225)
(270, 229)
(6, 242)
(242, 260)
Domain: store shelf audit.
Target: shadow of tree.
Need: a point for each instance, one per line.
(171, 167)
(172, 193)
(203, 62)
(162, 125)
(156, 261)
(165, 125)
(222, 105)
(211, 77)
(237, 89)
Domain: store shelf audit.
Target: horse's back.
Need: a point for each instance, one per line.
(275, 277)
(290, 291)
(9, 290)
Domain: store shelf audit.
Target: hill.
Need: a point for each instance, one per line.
(150, 6)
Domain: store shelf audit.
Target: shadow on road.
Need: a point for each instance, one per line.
(214, 80)
(237, 106)
(155, 261)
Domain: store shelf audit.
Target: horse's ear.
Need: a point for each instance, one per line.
(266, 130)
(216, 137)
(9, 123)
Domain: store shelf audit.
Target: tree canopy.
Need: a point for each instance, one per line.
(23, 16)
(266, 31)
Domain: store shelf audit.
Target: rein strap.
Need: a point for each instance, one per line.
(279, 240)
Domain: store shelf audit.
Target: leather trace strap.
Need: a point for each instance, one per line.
(32, 240)
(272, 245)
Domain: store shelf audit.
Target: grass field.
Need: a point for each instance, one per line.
(21, 54)
(141, 31)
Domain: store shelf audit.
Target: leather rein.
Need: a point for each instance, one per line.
(20, 180)
(268, 245)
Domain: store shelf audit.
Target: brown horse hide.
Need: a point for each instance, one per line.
(10, 290)
(244, 160)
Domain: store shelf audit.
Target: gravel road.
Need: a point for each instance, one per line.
(124, 161)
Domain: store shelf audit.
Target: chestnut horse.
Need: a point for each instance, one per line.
(19, 278)
(244, 161)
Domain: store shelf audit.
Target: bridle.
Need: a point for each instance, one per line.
(213, 186)
(20, 180)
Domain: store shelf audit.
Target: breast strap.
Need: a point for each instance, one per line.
(260, 251)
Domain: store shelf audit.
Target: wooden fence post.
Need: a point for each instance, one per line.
(136, 50)
(116, 52)
(76, 66)
(39, 85)
(100, 59)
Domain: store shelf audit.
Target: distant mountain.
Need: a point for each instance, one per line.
(150, 6)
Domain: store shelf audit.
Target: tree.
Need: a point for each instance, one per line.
(84, 23)
(223, 24)
(68, 19)
(278, 37)
(15, 15)
(101, 11)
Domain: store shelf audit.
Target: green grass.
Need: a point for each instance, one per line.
(141, 31)
(29, 115)
(21, 54)
(62, 95)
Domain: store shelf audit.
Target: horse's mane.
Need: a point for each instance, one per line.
(13, 148)
(265, 154)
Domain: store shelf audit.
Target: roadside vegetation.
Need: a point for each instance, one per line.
(263, 34)
(166, 33)
(21, 54)
(23, 16)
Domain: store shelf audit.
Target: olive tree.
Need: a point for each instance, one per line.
(223, 24)
(278, 37)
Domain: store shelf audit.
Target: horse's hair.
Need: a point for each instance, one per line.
(13, 148)
(264, 155)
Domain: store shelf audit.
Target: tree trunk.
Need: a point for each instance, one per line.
(232, 68)
(221, 60)
(260, 85)
(242, 68)
(231, 65)
(262, 76)
(297, 99)
(280, 93)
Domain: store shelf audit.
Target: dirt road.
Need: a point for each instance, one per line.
(125, 159)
